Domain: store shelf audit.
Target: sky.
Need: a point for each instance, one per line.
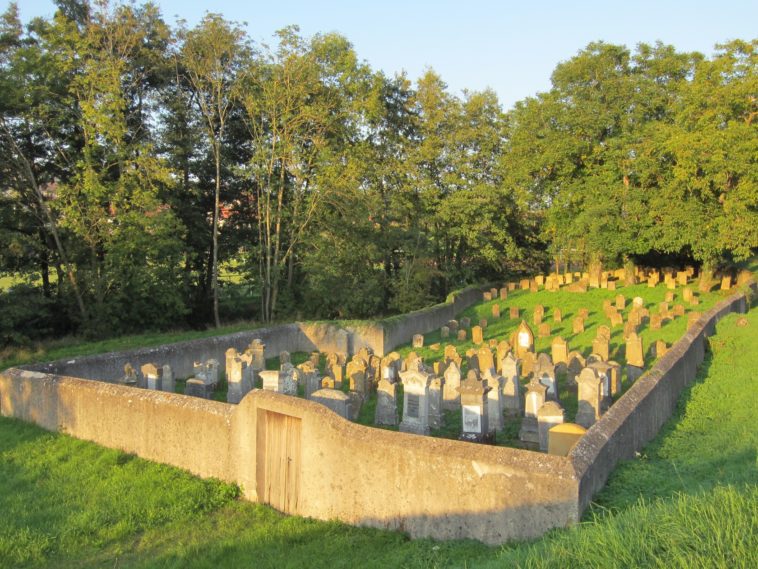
(510, 47)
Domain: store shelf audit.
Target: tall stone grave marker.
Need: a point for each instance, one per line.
(548, 416)
(415, 402)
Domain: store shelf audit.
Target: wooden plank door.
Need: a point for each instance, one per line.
(279, 456)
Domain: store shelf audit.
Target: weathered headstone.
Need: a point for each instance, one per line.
(544, 372)
(534, 399)
(679, 310)
(474, 408)
(589, 396)
(130, 375)
(503, 347)
(477, 336)
(524, 339)
(539, 314)
(692, 318)
(503, 293)
(576, 363)
(435, 403)
(635, 357)
(284, 357)
(334, 399)
(415, 402)
(511, 373)
(418, 340)
(562, 438)
(486, 296)
(196, 388)
(450, 394)
(528, 361)
(485, 360)
(559, 350)
(577, 325)
(600, 347)
(660, 348)
(167, 379)
(152, 375)
(513, 312)
(386, 404)
(465, 322)
(655, 321)
(237, 378)
(548, 416)
(495, 311)
(584, 313)
(444, 332)
(557, 315)
(495, 403)
(461, 335)
(620, 302)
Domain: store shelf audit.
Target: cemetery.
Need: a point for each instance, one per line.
(501, 402)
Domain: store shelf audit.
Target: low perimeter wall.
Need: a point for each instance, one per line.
(303, 459)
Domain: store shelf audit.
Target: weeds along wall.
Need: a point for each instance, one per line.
(303, 459)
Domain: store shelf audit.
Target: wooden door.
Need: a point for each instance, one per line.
(279, 461)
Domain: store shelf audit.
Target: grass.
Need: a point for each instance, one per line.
(689, 500)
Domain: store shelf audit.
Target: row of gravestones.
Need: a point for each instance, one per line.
(581, 281)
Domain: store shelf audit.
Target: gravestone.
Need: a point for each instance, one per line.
(511, 373)
(681, 278)
(327, 382)
(284, 358)
(196, 388)
(629, 329)
(334, 399)
(692, 318)
(435, 403)
(576, 363)
(548, 416)
(524, 284)
(486, 296)
(544, 372)
(466, 322)
(444, 332)
(493, 293)
(461, 335)
(577, 325)
(477, 336)
(495, 403)
(167, 380)
(512, 287)
(485, 360)
(544, 330)
(584, 313)
(483, 323)
(669, 296)
(660, 348)
(272, 380)
(315, 359)
(533, 400)
(589, 396)
(256, 352)
(679, 310)
(655, 321)
(562, 438)
(450, 393)
(289, 385)
(524, 340)
(130, 375)
(418, 340)
(513, 312)
(557, 315)
(474, 409)
(616, 319)
(635, 357)
(386, 404)
(310, 376)
(356, 375)
(495, 311)
(503, 347)
(453, 325)
(152, 375)
(688, 295)
(611, 285)
(493, 343)
(638, 302)
(609, 374)
(415, 402)
(560, 350)
(600, 347)
(528, 361)
(237, 378)
(503, 293)
(539, 314)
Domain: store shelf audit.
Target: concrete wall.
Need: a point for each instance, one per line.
(424, 486)
(638, 415)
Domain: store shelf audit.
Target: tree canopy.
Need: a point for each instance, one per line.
(158, 176)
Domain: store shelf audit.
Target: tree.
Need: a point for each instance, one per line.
(213, 55)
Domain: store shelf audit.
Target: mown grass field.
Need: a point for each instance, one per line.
(689, 500)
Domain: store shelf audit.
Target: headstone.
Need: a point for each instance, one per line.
(687, 295)
(334, 399)
(513, 312)
(635, 356)
(600, 347)
(315, 359)
(130, 375)
(495, 311)
(661, 348)
(461, 335)
(548, 416)
(474, 408)
(415, 402)
(511, 373)
(493, 293)
(524, 339)
(483, 323)
(503, 293)
(356, 375)
(476, 335)
(444, 332)
(453, 325)
(681, 278)
(167, 379)
(196, 388)
(616, 319)
(534, 399)
(152, 375)
(486, 296)
(576, 363)
(418, 340)
(272, 380)
(589, 396)
(327, 382)
(611, 285)
(557, 315)
(655, 321)
(466, 322)
(495, 403)
(386, 404)
(560, 351)
(577, 325)
(512, 287)
(450, 393)
(562, 438)
(692, 318)
(485, 360)
(638, 302)
(237, 379)
(503, 347)
(257, 353)
(669, 296)
(544, 372)
(604, 331)
(539, 314)
(584, 313)
(629, 329)
(544, 330)
(524, 285)
(679, 310)
(435, 403)
(311, 378)
(620, 302)
(288, 383)
(284, 358)
(528, 361)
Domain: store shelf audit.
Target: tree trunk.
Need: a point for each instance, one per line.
(214, 277)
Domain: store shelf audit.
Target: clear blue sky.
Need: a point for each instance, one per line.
(511, 47)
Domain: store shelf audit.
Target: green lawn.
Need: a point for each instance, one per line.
(689, 500)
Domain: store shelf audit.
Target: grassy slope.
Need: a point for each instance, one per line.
(690, 500)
